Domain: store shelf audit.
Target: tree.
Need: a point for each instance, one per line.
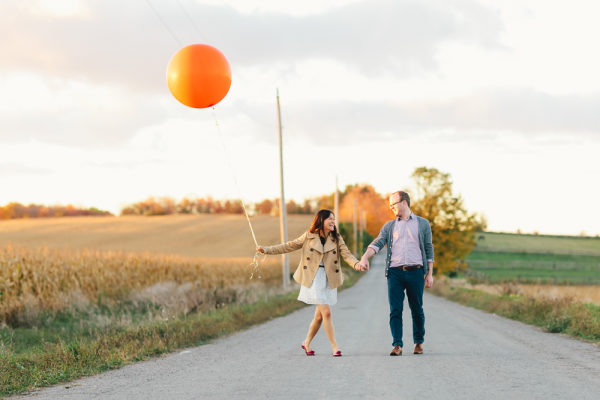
(186, 206)
(264, 207)
(453, 227)
(368, 200)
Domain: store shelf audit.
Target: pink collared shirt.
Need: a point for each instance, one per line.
(405, 245)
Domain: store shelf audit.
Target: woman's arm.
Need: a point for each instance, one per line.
(285, 247)
(347, 254)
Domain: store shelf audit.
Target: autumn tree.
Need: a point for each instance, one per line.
(186, 206)
(17, 210)
(453, 227)
(368, 200)
(264, 207)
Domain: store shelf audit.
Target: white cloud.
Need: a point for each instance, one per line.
(495, 93)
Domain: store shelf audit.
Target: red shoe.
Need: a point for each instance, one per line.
(308, 353)
(337, 353)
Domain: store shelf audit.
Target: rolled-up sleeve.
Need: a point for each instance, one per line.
(286, 247)
(380, 240)
(428, 244)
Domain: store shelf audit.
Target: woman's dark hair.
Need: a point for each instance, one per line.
(319, 222)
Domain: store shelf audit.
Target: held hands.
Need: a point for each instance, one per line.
(363, 265)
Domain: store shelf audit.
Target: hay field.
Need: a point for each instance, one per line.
(185, 235)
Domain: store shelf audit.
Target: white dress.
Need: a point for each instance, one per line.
(319, 292)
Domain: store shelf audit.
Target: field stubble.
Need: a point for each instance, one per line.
(579, 293)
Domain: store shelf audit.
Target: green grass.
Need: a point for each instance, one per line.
(540, 244)
(71, 345)
(494, 267)
(501, 257)
(53, 359)
(556, 316)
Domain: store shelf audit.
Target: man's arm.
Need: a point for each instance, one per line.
(373, 248)
(363, 265)
(429, 255)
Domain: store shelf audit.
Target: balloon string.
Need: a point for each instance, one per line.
(254, 264)
(256, 260)
(257, 256)
(237, 186)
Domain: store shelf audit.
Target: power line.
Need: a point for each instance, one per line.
(179, 42)
(192, 21)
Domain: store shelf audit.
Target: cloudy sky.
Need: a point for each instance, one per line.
(504, 96)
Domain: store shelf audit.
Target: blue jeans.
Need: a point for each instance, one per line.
(413, 282)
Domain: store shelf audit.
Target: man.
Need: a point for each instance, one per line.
(408, 267)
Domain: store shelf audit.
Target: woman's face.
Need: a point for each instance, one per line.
(329, 224)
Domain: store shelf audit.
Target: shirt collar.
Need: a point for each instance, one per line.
(411, 216)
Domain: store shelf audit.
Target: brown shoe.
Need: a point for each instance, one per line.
(397, 351)
(418, 348)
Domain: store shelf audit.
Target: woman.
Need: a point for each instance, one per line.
(319, 272)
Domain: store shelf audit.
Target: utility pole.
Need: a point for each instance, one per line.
(363, 228)
(285, 267)
(355, 237)
(336, 204)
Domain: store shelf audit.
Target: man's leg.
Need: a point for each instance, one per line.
(415, 282)
(396, 300)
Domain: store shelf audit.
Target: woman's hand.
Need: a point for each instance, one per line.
(260, 249)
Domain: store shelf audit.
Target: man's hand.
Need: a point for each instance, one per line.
(364, 264)
(429, 280)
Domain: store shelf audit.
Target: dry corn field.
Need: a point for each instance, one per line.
(177, 264)
(51, 281)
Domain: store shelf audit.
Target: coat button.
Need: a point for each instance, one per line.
(337, 270)
(335, 262)
(305, 267)
(308, 258)
(334, 252)
(312, 249)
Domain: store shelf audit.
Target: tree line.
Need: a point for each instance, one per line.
(16, 210)
(207, 205)
(432, 197)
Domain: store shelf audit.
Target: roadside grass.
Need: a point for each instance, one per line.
(554, 315)
(57, 359)
(68, 344)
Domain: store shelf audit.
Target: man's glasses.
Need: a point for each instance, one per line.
(392, 205)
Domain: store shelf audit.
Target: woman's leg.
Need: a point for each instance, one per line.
(328, 325)
(313, 328)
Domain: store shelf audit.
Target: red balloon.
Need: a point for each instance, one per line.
(199, 76)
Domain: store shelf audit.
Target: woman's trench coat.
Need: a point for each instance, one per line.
(312, 254)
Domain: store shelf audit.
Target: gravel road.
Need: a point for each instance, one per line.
(468, 355)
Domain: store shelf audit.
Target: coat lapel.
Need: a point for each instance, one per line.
(315, 242)
(329, 245)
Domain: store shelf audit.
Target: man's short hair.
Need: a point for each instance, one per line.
(403, 196)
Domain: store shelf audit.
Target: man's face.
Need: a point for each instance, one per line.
(395, 204)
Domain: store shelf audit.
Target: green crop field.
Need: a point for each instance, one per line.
(501, 257)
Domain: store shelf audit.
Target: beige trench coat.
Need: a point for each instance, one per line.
(312, 254)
